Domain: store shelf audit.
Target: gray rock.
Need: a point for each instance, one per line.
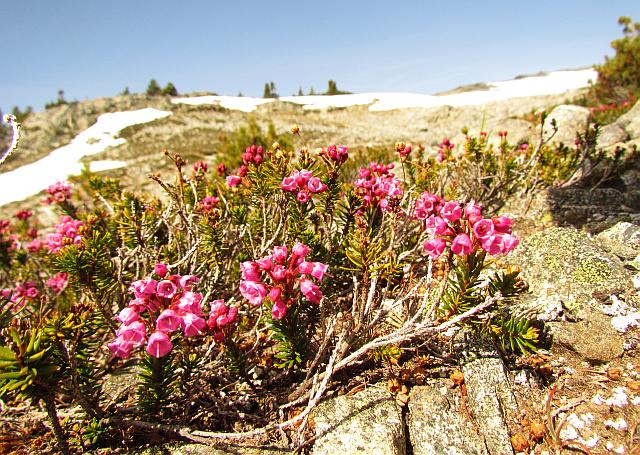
(569, 120)
(567, 263)
(611, 135)
(593, 338)
(203, 449)
(437, 426)
(369, 422)
(631, 121)
(622, 239)
(492, 402)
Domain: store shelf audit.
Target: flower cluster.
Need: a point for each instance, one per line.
(200, 168)
(403, 150)
(21, 293)
(58, 282)
(208, 204)
(165, 306)
(444, 149)
(378, 187)
(233, 180)
(253, 155)
(23, 214)
(303, 183)
(68, 231)
(58, 192)
(290, 276)
(336, 153)
(462, 228)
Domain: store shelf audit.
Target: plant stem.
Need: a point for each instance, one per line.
(50, 405)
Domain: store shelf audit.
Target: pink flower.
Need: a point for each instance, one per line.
(192, 324)
(302, 177)
(315, 185)
(233, 180)
(502, 224)
(263, 264)
(483, 229)
(451, 211)
(473, 212)
(190, 302)
(289, 184)
(128, 315)
(160, 269)
(300, 249)
(189, 281)
(159, 344)
(278, 310)
(274, 294)
(166, 289)
(121, 347)
(510, 243)
(135, 332)
(280, 254)
(253, 292)
(435, 247)
(302, 196)
(461, 245)
(34, 246)
(435, 225)
(278, 272)
(249, 271)
(168, 321)
(310, 290)
(58, 282)
(493, 244)
(200, 166)
(315, 269)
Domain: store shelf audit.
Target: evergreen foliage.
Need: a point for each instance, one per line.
(153, 89)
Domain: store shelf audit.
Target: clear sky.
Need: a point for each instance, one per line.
(92, 48)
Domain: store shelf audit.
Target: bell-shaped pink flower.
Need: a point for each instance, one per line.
(160, 269)
(264, 264)
(435, 247)
(473, 212)
(302, 177)
(249, 271)
(300, 249)
(189, 281)
(278, 310)
(483, 229)
(510, 242)
(128, 314)
(302, 196)
(136, 332)
(434, 225)
(166, 289)
(310, 290)
(278, 273)
(461, 245)
(192, 324)
(502, 224)
(233, 180)
(315, 269)
(121, 347)
(168, 321)
(315, 185)
(289, 184)
(451, 211)
(191, 302)
(253, 292)
(159, 344)
(493, 244)
(280, 254)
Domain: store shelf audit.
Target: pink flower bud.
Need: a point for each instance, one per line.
(127, 315)
(249, 271)
(473, 212)
(278, 273)
(274, 294)
(278, 310)
(264, 264)
(315, 185)
(451, 211)
(160, 269)
(159, 344)
(300, 249)
(279, 255)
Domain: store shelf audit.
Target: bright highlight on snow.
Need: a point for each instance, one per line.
(550, 84)
(64, 161)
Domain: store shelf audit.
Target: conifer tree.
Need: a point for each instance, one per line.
(170, 90)
(153, 89)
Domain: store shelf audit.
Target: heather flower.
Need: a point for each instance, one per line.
(249, 270)
(233, 180)
(336, 153)
(160, 269)
(280, 254)
(168, 321)
(159, 344)
(483, 228)
(378, 187)
(264, 264)
(428, 204)
(34, 246)
(315, 269)
(451, 211)
(302, 196)
(208, 204)
(59, 192)
(189, 281)
(435, 247)
(502, 224)
(166, 289)
(190, 302)
(315, 185)
(289, 184)
(300, 249)
(192, 324)
(200, 167)
(278, 272)
(121, 347)
(278, 310)
(510, 242)
(435, 225)
(221, 169)
(135, 332)
(473, 212)
(128, 315)
(461, 245)
(253, 292)
(275, 293)
(24, 214)
(310, 290)
(58, 282)
(68, 231)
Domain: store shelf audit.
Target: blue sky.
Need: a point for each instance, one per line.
(92, 48)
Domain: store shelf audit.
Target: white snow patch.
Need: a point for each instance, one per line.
(622, 323)
(610, 447)
(618, 424)
(32, 178)
(105, 165)
(550, 84)
(597, 399)
(619, 397)
(238, 103)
